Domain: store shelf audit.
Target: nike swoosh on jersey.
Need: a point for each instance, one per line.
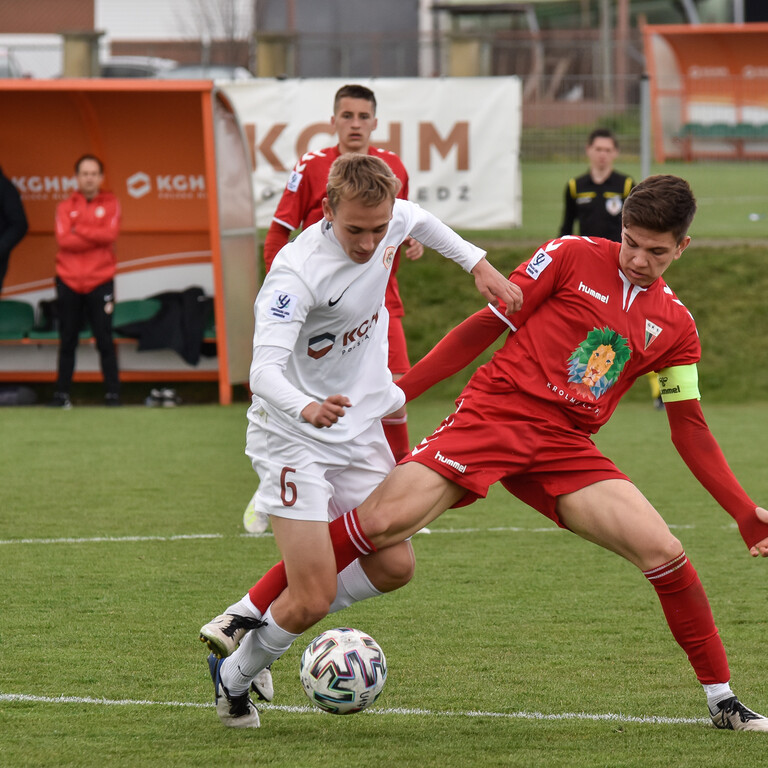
(334, 302)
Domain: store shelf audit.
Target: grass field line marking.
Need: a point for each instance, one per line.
(198, 536)
(113, 539)
(608, 717)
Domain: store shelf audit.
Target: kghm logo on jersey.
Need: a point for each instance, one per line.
(320, 346)
(596, 364)
(354, 337)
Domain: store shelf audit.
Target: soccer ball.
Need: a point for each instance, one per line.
(343, 671)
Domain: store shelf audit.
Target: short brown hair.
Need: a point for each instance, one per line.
(361, 177)
(89, 157)
(602, 133)
(354, 92)
(661, 204)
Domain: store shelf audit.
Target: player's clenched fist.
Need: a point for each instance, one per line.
(326, 413)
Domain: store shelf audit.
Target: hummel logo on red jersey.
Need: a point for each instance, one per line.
(593, 293)
(451, 462)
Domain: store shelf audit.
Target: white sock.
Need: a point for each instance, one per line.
(244, 607)
(717, 692)
(259, 648)
(352, 585)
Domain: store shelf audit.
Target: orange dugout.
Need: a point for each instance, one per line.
(709, 90)
(176, 157)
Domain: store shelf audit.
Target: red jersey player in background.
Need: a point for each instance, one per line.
(595, 316)
(354, 120)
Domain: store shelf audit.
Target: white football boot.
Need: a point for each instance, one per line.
(732, 715)
(233, 711)
(223, 634)
(255, 520)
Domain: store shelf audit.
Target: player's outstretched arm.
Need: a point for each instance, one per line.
(328, 412)
(457, 349)
(496, 288)
(701, 453)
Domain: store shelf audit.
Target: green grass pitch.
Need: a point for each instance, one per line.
(516, 644)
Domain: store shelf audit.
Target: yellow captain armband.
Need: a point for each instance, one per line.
(680, 382)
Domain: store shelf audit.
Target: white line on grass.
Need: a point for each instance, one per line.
(609, 717)
(112, 539)
(197, 536)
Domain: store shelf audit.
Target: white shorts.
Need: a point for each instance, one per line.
(310, 480)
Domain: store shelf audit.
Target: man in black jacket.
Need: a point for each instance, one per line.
(13, 222)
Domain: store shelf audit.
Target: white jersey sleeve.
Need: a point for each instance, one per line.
(268, 381)
(430, 231)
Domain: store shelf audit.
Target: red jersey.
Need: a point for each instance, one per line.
(86, 231)
(301, 203)
(585, 333)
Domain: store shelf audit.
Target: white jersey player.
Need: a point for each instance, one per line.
(321, 386)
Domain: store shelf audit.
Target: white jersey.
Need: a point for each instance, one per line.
(329, 313)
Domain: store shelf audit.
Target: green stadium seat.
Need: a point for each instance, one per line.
(134, 311)
(689, 130)
(719, 131)
(16, 319)
(747, 131)
(39, 334)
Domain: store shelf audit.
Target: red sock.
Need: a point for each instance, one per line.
(349, 543)
(689, 616)
(396, 432)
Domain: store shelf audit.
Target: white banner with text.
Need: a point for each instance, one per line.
(459, 139)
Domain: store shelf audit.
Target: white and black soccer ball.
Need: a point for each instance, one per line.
(343, 671)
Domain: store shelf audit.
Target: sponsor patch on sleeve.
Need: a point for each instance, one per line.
(282, 306)
(293, 181)
(538, 263)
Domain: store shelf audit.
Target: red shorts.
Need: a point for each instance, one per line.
(530, 446)
(398, 351)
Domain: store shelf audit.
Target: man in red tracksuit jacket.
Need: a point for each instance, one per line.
(87, 225)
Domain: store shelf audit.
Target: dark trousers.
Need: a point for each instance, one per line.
(95, 307)
(4, 259)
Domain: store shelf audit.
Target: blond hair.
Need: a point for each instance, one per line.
(361, 177)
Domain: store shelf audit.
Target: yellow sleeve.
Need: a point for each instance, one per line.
(680, 382)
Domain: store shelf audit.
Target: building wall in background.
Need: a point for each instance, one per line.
(46, 16)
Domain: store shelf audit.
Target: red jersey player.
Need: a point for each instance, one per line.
(595, 316)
